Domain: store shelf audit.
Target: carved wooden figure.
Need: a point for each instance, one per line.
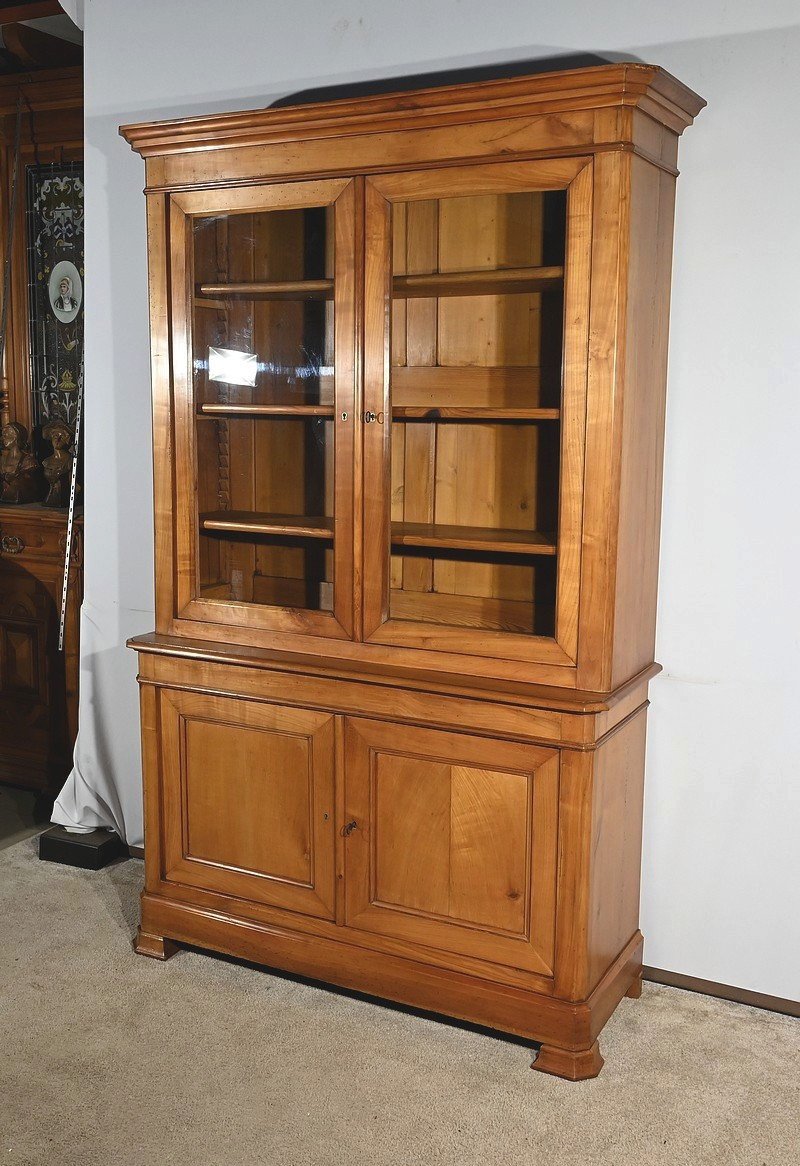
(409, 358)
(58, 466)
(20, 472)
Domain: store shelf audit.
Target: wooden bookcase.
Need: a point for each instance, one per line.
(409, 358)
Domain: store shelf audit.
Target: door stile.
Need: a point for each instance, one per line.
(376, 444)
(185, 517)
(577, 287)
(356, 468)
(345, 350)
(163, 440)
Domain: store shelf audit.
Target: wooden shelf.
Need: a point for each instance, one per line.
(502, 281)
(286, 289)
(253, 522)
(472, 538)
(469, 413)
(210, 410)
(399, 413)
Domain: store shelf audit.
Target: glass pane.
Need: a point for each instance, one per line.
(477, 339)
(284, 326)
(264, 393)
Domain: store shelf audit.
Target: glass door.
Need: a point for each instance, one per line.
(263, 307)
(475, 387)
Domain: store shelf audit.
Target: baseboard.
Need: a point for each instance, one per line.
(723, 991)
(136, 851)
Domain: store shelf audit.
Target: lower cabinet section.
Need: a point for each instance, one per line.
(451, 841)
(490, 879)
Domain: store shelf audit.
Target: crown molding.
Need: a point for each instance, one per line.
(645, 87)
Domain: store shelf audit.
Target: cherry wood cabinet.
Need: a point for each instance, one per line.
(409, 364)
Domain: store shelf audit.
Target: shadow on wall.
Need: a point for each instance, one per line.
(457, 76)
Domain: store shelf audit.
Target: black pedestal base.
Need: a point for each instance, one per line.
(88, 851)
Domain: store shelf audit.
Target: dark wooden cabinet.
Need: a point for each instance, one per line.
(409, 365)
(38, 684)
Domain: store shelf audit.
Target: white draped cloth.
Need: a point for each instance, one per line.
(103, 789)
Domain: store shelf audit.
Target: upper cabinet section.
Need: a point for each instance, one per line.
(409, 365)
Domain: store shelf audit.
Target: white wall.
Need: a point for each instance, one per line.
(720, 890)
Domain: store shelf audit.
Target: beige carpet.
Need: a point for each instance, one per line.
(108, 1058)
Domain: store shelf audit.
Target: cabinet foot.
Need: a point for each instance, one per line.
(635, 990)
(573, 1066)
(156, 946)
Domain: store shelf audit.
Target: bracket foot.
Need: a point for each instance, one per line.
(156, 946)
(574, 1066)
(635, 989)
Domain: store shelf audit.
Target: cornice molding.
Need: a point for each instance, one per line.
(646, 87)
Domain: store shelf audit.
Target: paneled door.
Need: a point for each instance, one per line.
(264, 368)
(248, 800)
(475, 371)
(30, 710)
(451, 842)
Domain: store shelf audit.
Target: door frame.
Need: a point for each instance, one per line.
(575, 176)
(183, 207)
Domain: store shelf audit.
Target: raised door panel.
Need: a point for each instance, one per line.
(30, 706)
(451, 842)
(19, 660)
(248, 800)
